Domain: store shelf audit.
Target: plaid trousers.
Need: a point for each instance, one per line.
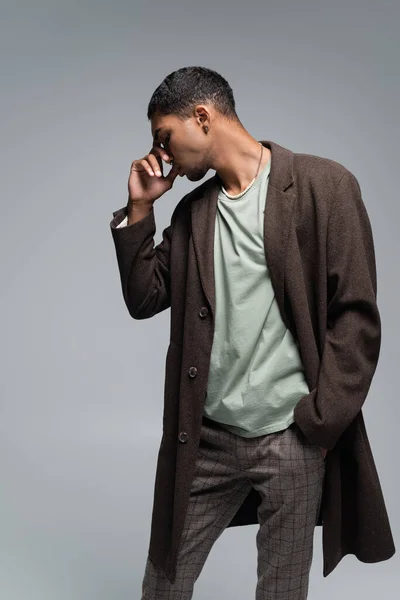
(288, 471)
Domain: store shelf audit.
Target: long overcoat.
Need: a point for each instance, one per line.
(320, 254)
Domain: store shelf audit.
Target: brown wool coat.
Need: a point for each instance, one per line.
(320, 253)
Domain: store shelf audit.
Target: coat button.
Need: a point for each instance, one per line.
(183, 436)
(192, 371)
(203, 312)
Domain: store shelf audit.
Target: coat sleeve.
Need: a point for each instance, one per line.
(143, 267)
(353, 330)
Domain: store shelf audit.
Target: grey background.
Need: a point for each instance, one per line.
(82, 383)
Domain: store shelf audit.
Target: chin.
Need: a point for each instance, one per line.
(196, 175)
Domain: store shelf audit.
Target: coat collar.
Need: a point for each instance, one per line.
(277, 219)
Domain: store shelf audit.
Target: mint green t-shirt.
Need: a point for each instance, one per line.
(256, 375)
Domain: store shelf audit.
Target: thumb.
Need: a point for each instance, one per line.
(173, 174)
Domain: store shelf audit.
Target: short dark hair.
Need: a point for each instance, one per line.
(181, 90)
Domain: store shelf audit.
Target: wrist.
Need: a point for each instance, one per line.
(138, 210)
(136, 205)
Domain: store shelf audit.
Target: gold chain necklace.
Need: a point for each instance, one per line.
(250, 184)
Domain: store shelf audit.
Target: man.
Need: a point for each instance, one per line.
(269, 270)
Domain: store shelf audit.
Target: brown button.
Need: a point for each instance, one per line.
(183, 437)
(203, 312)
(192, 371)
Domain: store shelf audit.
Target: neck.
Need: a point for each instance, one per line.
(237, 155)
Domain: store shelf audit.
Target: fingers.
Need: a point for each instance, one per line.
(152, 162)
(156, 164)
(142, 165)
(158, 151)
(154, 158)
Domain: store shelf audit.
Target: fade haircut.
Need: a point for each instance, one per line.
(183, 89)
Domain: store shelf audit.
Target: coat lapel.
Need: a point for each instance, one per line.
(277, 221)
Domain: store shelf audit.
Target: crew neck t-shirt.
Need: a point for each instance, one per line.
(256, 375)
